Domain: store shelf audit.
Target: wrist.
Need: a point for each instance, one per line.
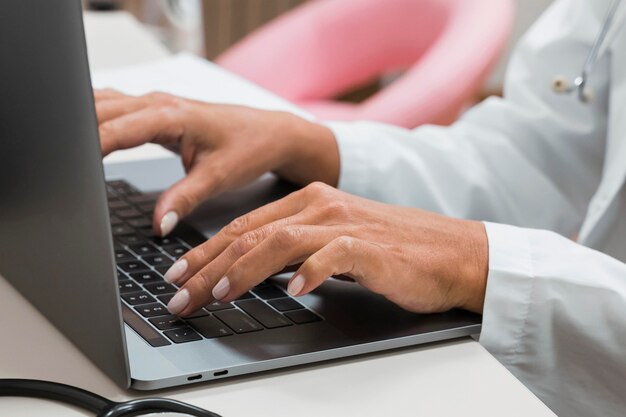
(310, 153)
(476, 268)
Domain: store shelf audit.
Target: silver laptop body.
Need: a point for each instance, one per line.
(56, 245)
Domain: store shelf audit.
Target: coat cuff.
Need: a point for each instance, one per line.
(509, 291)
(353, 157)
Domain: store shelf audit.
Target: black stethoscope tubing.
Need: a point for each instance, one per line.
(94, 403)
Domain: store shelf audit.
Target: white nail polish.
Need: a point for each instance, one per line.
(296, 285)
(168, 223)
(221, 289)
(179, 302)
(176, 271)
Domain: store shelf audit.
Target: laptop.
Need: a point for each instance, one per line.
(81, 249)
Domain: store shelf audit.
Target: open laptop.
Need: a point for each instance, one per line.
(82, 252)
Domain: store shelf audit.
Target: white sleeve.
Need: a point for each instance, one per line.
(555, 316)
(533, 159)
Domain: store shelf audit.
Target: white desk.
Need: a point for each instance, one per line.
(445, 379)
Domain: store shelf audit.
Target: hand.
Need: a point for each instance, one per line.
(221, 146)
(421, 261)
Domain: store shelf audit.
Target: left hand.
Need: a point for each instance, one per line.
(421, 261)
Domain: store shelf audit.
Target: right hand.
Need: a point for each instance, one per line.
(221, 146)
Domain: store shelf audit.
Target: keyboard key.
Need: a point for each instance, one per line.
(121, 276)
(144, 330)
(217, 306)
(238, 321)
(133, 266)
(147, 208)
(167, 322)
(176, 251)
(116, 221)
(146, 277)
(162, 269)
(122, 230)
(160, 288)
(302, 316)
(246, 296)
(198, 313)
(209, 327)
(165, 299)
(128, 286)
(164, 241)
(144, 249)
(143, 198)
(182, 335)
(136, 298)
(157, 260)
(267, 292)
(123, 255)
(139, 223)
(148, 233)
(263, 314)
(285, 304)
(152, 310)
(118, 205)
(134, 239)
(130, 213)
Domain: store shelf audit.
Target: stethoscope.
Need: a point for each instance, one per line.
(561, 86)
(95, 403)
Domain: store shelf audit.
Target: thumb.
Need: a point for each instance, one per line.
(182, 198)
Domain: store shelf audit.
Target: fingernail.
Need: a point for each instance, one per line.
(179, 302)
(221, 288)
(296, 285)
(176, 271)
(168, 223)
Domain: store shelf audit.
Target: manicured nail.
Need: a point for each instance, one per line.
(176, 271)
(296, 285)
(221, 288)
(179, 302)
(168, 223)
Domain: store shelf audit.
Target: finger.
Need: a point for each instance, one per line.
(106, 94)
(111, 109)
(223, 244)
(357, 259)
(153, 124)
(183, 197)
(172, 203)
(242, 266)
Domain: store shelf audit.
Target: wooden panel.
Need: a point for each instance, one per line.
(227, 21)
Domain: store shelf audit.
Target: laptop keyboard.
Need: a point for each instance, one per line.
(143, 258)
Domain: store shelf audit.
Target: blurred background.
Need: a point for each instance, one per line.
(210, 28)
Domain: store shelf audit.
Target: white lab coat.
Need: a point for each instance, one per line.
(555, 310)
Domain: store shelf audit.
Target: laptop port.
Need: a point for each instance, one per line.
(220, 373)
(194, 378)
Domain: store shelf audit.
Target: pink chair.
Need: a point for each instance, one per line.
(326, 47)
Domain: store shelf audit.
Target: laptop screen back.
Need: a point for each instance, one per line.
(55, 242)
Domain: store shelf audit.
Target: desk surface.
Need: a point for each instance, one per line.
(444, 379)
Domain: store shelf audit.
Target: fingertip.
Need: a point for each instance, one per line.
(296, 285)
(168, 223)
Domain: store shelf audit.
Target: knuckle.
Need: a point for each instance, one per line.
(286, 237)
(317, 189)
(244, 244)
(158, 97)
(238, 226)
(345, 245)
(336, 208)
(204, 282)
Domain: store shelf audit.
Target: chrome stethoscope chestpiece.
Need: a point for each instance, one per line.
(560, 83)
